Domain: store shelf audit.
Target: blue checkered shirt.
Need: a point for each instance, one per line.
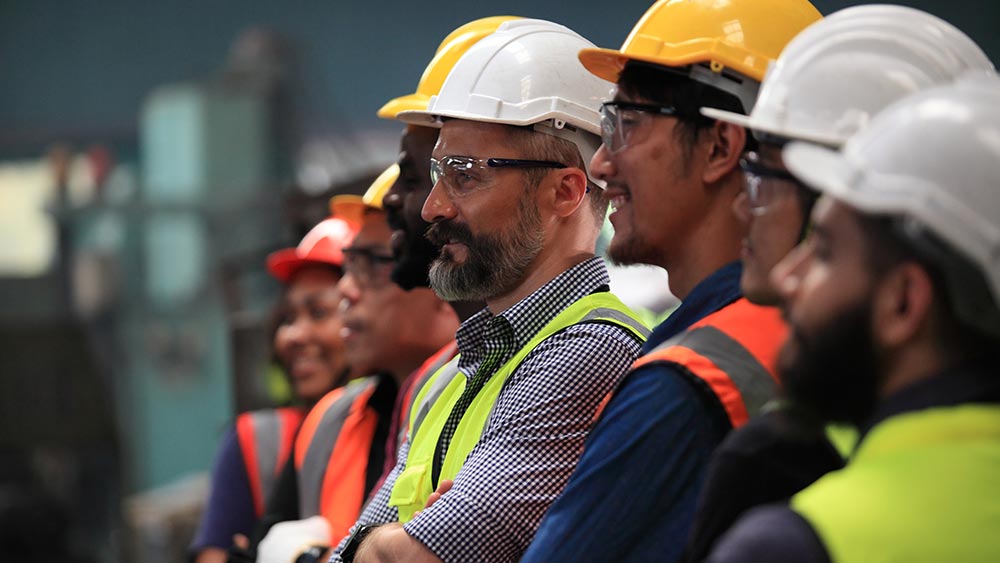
(534, 435)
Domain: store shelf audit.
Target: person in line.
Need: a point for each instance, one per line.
(308, 346)
(672, 177)
(517, 217)
(412, 252)
(828, 83)
(338, 456)
(892, 303)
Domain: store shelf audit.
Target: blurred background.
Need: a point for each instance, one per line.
(151, 155)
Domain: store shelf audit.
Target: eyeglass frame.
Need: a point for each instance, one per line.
(366, 276)
(755, 174)
(611, 121)
(437, 167)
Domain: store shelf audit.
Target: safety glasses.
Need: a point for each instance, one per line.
(627, 123)
(369, 268)
(765, 185)
(464, 175)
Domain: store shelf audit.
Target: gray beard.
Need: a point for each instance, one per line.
(496, 263)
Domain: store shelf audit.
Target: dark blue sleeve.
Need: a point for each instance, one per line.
(230, 505)
(633, 494)
(773, 533)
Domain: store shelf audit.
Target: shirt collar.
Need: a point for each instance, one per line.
(529, 315)
(716, 291)
(956, 386)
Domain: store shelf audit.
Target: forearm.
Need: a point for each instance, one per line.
(391, 544)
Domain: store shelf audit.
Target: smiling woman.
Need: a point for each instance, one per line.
(308, 345)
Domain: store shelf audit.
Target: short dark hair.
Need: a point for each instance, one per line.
(963, 303)
(673, 87)
(542, 146)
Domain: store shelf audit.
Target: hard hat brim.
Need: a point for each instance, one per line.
(433, 119)
(758, 126)
(826, 171)
(380, 186)
(349, 207)
(282, 264)
(609, 63)
(411, 102)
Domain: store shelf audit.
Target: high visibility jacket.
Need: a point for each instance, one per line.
(331, 455)
(265, 438)
(437, 398)
(922, 486)
(733, 352)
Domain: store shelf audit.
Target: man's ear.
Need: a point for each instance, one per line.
(904, 301)
(726, 144)
(569, 190)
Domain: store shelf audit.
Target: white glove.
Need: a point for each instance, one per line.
(285, 541)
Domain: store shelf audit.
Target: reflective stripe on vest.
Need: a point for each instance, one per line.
(331, 455)
(265, 439)
(437, 398)
(433, 364)
(921, 487)
(733, 351)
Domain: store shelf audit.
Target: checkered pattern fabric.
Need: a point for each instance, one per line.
(534, 435)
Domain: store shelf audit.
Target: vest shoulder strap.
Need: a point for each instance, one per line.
(318, 437)
(733, 351)
(265, 437)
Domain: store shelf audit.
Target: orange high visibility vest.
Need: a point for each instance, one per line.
(733, 351)
(331, 455)
(265, 439)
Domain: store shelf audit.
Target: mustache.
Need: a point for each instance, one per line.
(442, 233)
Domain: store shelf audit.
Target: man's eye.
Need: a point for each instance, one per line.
(465, 180)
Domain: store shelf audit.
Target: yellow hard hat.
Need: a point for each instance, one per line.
(373, 197)
(741, 35)
(451, 49)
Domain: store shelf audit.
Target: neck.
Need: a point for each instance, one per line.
(544, 269)
(465, 309)
(710, 247)
(908, 366)
(714, 241)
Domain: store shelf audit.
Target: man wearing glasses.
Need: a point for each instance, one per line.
(826, 85)
(672, 176)
(516, 216)
(388, 332)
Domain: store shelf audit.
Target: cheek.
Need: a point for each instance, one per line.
(329, 333)
(412, 205)
(821, 295)
(282, 342)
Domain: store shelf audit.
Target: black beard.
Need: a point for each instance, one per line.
(835, 370)
(413, 263)
(414, 257)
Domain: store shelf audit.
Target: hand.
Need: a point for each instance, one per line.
(241, 541)
(287, 540)
(443, 488)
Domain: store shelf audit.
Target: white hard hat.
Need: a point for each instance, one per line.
(933, 160)
(839, 72)
(526, 73)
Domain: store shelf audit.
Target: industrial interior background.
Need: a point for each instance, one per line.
(151, 155)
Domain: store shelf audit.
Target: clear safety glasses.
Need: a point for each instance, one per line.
(627, 123)
(765, 185)
(369, 268)
(463, 175)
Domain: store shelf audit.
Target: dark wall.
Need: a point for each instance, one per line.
(81, 69)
